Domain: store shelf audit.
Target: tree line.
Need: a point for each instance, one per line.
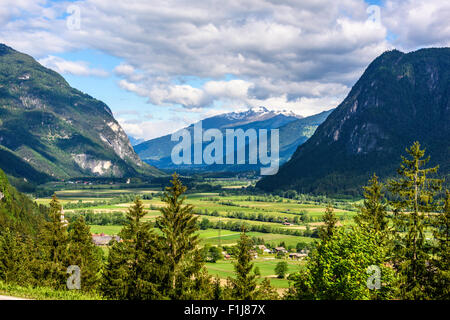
(145, 264)
(403, 254)
(397, 253)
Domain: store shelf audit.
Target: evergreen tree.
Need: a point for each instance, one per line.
(330, 219)
(372, 215)
(83, 253)
(266, 291)
(132, 269)
(51, 262)
(203, 287)
(217, 289)
(244, 285)
(15, 258)
(182, 258)
(414, 194)
(440, 287)
(114, 283)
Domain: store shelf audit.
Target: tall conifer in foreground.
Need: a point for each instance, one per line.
(83, 253)
(52, 252)
(266, 291)
(114, 284)
(440, 287)
(217, 289)
(243, 287)
(413, 194)
(330, 220)
(182, 259)
(131, 269)
(15, 257)
(372, 215)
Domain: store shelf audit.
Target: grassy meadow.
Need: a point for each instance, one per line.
(221, 206)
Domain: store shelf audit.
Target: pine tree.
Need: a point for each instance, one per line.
(83, 253)
(441, 259)
(179, 243)
(15, 258)
(52, 256)
(244, 285)
(114, 283)
(203, 287)
(330, 219)
(266, 291)
(217, 289)
(372, 215)
(131, 271)
(414, 198)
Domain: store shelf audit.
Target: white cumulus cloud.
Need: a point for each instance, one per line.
(78, 68)
(203, 56)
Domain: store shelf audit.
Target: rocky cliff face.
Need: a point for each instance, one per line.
(399, 99)
(50, 130)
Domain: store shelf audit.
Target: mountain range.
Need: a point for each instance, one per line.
(399, 99)
(49, 130)
(293, 130)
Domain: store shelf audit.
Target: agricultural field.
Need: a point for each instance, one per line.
(272, 220)
(224, 269)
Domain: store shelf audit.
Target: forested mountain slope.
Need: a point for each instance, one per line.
(49, 130)
(399, 99)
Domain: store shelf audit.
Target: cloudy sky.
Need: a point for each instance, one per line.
(161, 65)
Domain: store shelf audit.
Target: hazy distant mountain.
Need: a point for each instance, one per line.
(295, 133)
(399, 99)
(134, 141)
(158, 151)
(50, 130)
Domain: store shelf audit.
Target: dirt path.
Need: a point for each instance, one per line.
(11, 298)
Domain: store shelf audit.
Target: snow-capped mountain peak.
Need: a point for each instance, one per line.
(258, 112)
(288, 113)
(260, 109)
